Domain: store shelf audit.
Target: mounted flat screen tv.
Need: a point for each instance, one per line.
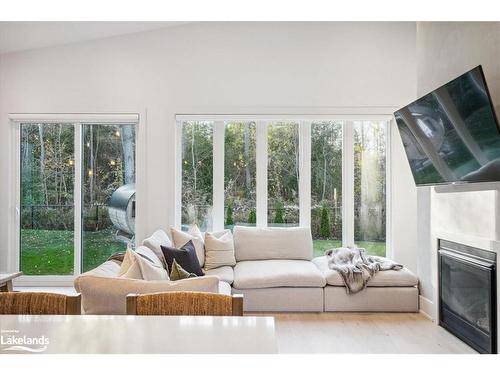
(451, 135)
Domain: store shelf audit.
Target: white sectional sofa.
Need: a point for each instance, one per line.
(275, 271)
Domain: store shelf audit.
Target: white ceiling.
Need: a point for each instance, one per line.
(18, 36)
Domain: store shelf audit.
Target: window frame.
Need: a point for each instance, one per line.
(76, 121)
(347, 116)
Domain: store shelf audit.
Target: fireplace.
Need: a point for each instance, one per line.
(467, 294)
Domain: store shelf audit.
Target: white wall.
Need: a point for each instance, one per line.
(445, 51)
(216, 68)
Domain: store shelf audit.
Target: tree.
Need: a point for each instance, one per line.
(279, 212)
(127, 139)
(229, 215)
(325, 231)
(252, 216)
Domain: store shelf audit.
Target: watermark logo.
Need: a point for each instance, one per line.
(14, 341)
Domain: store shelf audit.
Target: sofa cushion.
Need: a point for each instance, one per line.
(181, 238)
(137, 265)
(219, 249)
(185, 257)
(277, 273)
(179, 273)
(224, 288)
(110, 268)
(403, 277)
(224, 273)
(107, 295)
(252, 243)
(150, 255)
(158, 238)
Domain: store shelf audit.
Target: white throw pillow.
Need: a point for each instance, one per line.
(151, 271)
(152, 255)
(134, 266)
(181, 238)
(155, 241)
(219, 249)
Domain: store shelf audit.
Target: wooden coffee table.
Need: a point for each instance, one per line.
(6, 281)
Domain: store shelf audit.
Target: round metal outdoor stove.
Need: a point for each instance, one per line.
(121, 208)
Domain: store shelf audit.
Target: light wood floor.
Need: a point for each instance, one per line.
(389, 333)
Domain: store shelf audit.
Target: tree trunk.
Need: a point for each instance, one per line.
(324, 173)
(248, 176)
(127, 138)
(27, 170)
(193, 160)
(42, 164)
(91, 165)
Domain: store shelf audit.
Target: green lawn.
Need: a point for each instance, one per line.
(372, 247)
(50, 252)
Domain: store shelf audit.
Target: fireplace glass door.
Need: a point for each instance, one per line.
(467, 298)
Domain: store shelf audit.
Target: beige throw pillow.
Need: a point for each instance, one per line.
(127, 263)
(134, 266)
(219, 250)
(181, 238)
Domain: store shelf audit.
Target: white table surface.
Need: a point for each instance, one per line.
(106, 334)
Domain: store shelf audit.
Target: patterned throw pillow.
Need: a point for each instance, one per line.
(179, 273)
(185, 257)
(219, 250)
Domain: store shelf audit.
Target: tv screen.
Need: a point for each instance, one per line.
(451, 135)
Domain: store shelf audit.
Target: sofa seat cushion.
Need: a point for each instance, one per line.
(403, 277)
(277, 273)
(224, 273)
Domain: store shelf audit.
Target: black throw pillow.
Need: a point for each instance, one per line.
(185, 257)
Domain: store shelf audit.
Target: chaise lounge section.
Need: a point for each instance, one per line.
(387, 291)
(275, 271)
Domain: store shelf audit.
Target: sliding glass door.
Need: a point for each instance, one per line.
(77, 195)
(47, 199)
(108, 170)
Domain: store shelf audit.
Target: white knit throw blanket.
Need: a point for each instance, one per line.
(356, 268)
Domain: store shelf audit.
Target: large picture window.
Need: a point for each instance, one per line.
(77, 195)
(339, 164)
(197, 173)
(326, 185)
(283, 174)
(369, 186)
(239, 174)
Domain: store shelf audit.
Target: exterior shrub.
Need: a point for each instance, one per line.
(229, 215)
(279, 213)
(252, 216)
(325, 230)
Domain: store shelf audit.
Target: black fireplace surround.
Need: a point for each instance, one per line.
(468, 295)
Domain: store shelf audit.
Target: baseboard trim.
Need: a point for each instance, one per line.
(43, 280)
(426, 308)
